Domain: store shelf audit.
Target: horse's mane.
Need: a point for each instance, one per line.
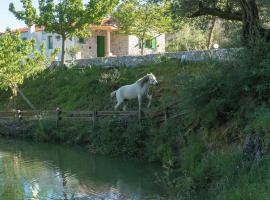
(143, 80)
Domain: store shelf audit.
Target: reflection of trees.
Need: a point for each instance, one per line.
(11, 187)
(49, 171)
(31, 179)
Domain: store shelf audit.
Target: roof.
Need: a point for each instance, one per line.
(108, 21)
(25, 29)
(107, 24)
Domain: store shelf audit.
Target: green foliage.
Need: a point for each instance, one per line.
(28, 15)
(186, 39)
(144, 19)
(18, 60)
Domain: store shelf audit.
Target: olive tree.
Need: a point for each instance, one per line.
(251, 13)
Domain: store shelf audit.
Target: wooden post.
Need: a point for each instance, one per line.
(58, 116)
(19, 113)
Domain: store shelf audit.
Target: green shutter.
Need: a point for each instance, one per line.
(151, 44)
(154, 43)
(50, 42)
(100, 46)
(147, 44)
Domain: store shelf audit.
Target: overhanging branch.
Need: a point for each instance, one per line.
(228, 15)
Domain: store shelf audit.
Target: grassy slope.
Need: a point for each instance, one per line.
(90, 88)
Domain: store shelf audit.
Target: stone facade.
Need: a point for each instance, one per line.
(121, 45)
(89, 49)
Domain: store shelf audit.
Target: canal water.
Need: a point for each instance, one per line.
(32, 171)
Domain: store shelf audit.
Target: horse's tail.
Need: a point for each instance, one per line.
(113, 93)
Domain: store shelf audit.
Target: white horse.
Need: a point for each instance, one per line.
(135, 90)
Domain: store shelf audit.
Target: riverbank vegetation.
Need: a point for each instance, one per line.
(205, 154)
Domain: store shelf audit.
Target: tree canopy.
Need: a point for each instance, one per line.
(252, 13)
(67, 18)
(18, 60)
(144, 19)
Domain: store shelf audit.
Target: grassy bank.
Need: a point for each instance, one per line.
(202, 153)
(89, 89)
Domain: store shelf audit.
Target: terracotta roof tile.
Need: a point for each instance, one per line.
(105, 22)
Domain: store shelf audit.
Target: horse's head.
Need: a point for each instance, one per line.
(152, 79)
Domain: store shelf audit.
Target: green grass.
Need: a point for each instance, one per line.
(90, 88)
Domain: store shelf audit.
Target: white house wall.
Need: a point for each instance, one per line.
(134, 48)
(121, 45)
(57, 43)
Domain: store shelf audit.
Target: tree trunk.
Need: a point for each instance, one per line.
(25, 99)
(15, 91)
(63, 56)
(251, 28)
(142, 47)
(211, 31)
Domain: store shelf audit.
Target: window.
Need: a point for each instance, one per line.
(58, 37)
(50, 42)
(151, 44)
(24, 38)
(82, 40)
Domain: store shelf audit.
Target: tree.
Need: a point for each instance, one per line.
(18, 60)
(73, 51)
(144, 19)
(67, 18)
(251, 13)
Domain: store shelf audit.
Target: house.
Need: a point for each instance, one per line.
(104, 41)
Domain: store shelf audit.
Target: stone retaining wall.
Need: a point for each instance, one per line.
(132, 61)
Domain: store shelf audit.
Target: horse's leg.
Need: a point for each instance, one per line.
(117, 105)
(125, 106)
(140, 102)
(140, 106)
(149, 97)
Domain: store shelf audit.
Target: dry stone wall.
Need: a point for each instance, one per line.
(132, 61)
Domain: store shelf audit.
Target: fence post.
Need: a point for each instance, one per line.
(58, 116)
(19, 113)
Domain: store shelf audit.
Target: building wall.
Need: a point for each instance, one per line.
(89, 49)
(134, 48)
(119, 44)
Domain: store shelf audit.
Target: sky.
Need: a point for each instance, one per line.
(7, 19)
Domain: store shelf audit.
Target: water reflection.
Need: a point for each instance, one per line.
(42, 171)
